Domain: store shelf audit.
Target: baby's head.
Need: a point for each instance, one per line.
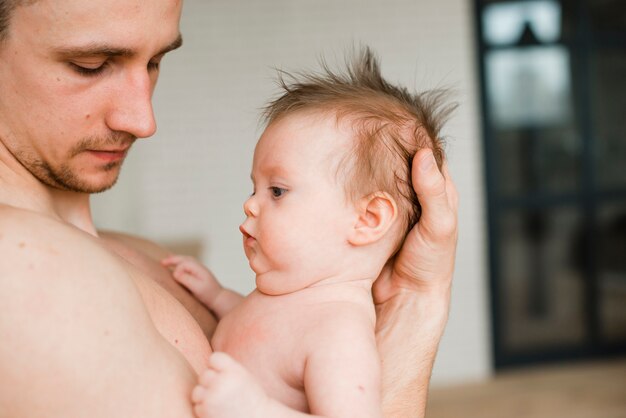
(332, 175)
(389, 125)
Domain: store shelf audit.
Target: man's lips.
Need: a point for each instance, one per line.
(109, 155)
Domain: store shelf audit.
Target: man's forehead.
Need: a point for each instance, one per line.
(77, 22)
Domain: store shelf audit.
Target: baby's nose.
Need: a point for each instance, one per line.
(250, 207)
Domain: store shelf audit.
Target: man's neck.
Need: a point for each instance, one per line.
(19, 188)
(73, 208)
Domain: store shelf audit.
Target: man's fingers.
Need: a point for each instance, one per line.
(427, 179)
(438, 207)
(453, 195)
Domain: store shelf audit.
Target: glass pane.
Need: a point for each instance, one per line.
(542, 288)
(609, 117)
(505, 23)
(611, 252)
(529, 87)
(537, 160)
(607, 16)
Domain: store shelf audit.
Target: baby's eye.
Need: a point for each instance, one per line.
(277, 192)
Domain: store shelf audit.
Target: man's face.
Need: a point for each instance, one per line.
(76, 83)
(299, 218)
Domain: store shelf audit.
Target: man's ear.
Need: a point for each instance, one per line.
(376, 214)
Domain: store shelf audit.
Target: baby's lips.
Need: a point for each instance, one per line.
(245, 233)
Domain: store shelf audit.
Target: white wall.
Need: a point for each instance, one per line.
(190, 180)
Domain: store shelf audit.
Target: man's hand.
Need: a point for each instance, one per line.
(412, 294)
(426, 261)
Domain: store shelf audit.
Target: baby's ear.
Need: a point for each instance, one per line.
(376, 214)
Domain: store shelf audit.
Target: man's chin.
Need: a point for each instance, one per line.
(85, 185)
(101, 188)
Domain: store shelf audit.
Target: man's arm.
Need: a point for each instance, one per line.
(413, 294)
(76, 338)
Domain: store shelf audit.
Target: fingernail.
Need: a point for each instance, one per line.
(427, 162)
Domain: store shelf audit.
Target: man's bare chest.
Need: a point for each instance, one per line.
(183, 323)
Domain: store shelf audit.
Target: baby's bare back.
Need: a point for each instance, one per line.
(277, 337)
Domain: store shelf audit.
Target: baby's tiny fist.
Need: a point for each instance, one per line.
(228, 390)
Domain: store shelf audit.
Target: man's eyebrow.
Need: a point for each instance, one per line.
(98, 49)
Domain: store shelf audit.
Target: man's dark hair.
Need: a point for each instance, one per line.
(6, 10)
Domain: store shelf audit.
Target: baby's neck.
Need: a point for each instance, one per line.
(348, 280)
(328, 291)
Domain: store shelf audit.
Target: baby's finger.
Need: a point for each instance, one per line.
(200, 410)
(207, 377)
(171, 260)
(198, 394)
(184, 278)
(221, 361)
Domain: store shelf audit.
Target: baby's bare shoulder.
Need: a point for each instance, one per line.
(337, 322)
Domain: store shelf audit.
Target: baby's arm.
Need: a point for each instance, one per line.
(227, 390)
(202, 284)
(341, 378)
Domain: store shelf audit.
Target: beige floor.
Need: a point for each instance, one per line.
(589, 390)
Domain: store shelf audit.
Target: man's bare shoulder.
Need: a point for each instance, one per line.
(36, 245)
(145, 246)
(77, 339)
(50, 266)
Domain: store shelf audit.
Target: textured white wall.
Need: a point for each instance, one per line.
(190, 180)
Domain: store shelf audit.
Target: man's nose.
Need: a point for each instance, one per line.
(131, 105)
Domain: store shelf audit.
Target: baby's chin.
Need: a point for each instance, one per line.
(276, 283)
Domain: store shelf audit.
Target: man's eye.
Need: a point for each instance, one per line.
(277, 191)
(88, 71)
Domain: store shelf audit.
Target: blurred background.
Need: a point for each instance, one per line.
(537, 149)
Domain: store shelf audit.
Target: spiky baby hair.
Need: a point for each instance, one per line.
(389, 122)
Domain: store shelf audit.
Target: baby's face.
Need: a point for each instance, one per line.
(298, 218)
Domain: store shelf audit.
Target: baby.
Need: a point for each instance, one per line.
(332, 203)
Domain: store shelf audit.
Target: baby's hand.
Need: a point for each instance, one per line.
(193, 275)
(227, 390)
